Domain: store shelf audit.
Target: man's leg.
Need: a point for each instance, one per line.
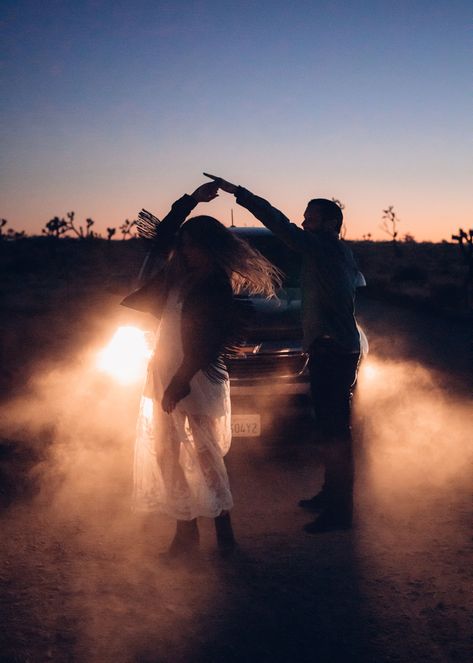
(333, 375)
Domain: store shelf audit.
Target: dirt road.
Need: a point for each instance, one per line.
(80, 577)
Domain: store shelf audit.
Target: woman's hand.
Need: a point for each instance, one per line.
(168, 403)
(206, 192)
(175, 392)
(223, 184)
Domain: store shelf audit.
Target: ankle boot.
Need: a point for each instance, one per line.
(223, 528)
(186, 538)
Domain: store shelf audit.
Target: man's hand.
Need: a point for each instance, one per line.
(223, 184)
(206, 192)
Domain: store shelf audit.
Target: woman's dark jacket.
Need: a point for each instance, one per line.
(208, 313)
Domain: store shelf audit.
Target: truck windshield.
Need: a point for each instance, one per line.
(288, 261)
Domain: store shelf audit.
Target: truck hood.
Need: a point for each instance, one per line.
(275, 319)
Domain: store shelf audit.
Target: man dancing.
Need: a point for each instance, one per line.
(329, 277)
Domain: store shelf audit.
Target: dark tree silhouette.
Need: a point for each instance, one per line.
(70, 223)
(110, 233)
(465, 242)
(15, 234)
(339, 203)
(127, 227)
(82, 233)
(389, 226)
(88, 232)
(56, 227)
(10, 233)
(390, 222)
(343, 230)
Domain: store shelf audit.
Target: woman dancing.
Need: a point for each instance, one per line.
(183, 428)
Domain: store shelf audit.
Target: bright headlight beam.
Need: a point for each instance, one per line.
(126, 355)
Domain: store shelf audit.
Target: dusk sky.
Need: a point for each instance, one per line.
(108, 107)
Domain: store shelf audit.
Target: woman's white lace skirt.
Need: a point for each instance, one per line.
(178, 467)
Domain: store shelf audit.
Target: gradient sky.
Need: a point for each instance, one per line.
(109, 107)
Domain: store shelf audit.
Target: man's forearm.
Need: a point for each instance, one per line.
(271, 217)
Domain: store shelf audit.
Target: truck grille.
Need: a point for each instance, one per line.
(261, 366)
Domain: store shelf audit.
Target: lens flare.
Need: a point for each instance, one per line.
(126, 356)
(370, 371)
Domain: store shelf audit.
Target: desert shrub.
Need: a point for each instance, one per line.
(376, 285)
(410, 274)
(447, 295)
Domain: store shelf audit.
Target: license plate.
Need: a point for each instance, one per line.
(246, 425)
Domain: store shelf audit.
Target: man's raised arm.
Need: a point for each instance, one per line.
(269, 216)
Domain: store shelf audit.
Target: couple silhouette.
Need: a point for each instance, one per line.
(183, 429)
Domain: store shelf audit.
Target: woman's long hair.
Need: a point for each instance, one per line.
(248, 270)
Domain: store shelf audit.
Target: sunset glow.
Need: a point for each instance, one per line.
(126, 356)
(111, 107)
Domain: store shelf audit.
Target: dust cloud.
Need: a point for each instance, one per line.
(415, 455)
(82, 550)
(414, 477)
(89, 564)
(417, 436)
(89, 420)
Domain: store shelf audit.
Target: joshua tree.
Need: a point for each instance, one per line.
(389, 226)
(15, 234)
(126, 228)
(58, 227)
(465, 242)
(55, 227)
(390, 222)
(70, 223)
(88, 232)
(80, 232)
(343, 230)
(110, 233)
(11, 233)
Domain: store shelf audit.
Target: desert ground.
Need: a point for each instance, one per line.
(80, 575)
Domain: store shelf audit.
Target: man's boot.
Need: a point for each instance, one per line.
(316, 503)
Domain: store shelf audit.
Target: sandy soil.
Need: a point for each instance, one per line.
(80, 577)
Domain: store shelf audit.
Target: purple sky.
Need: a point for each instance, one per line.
(113, 106)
